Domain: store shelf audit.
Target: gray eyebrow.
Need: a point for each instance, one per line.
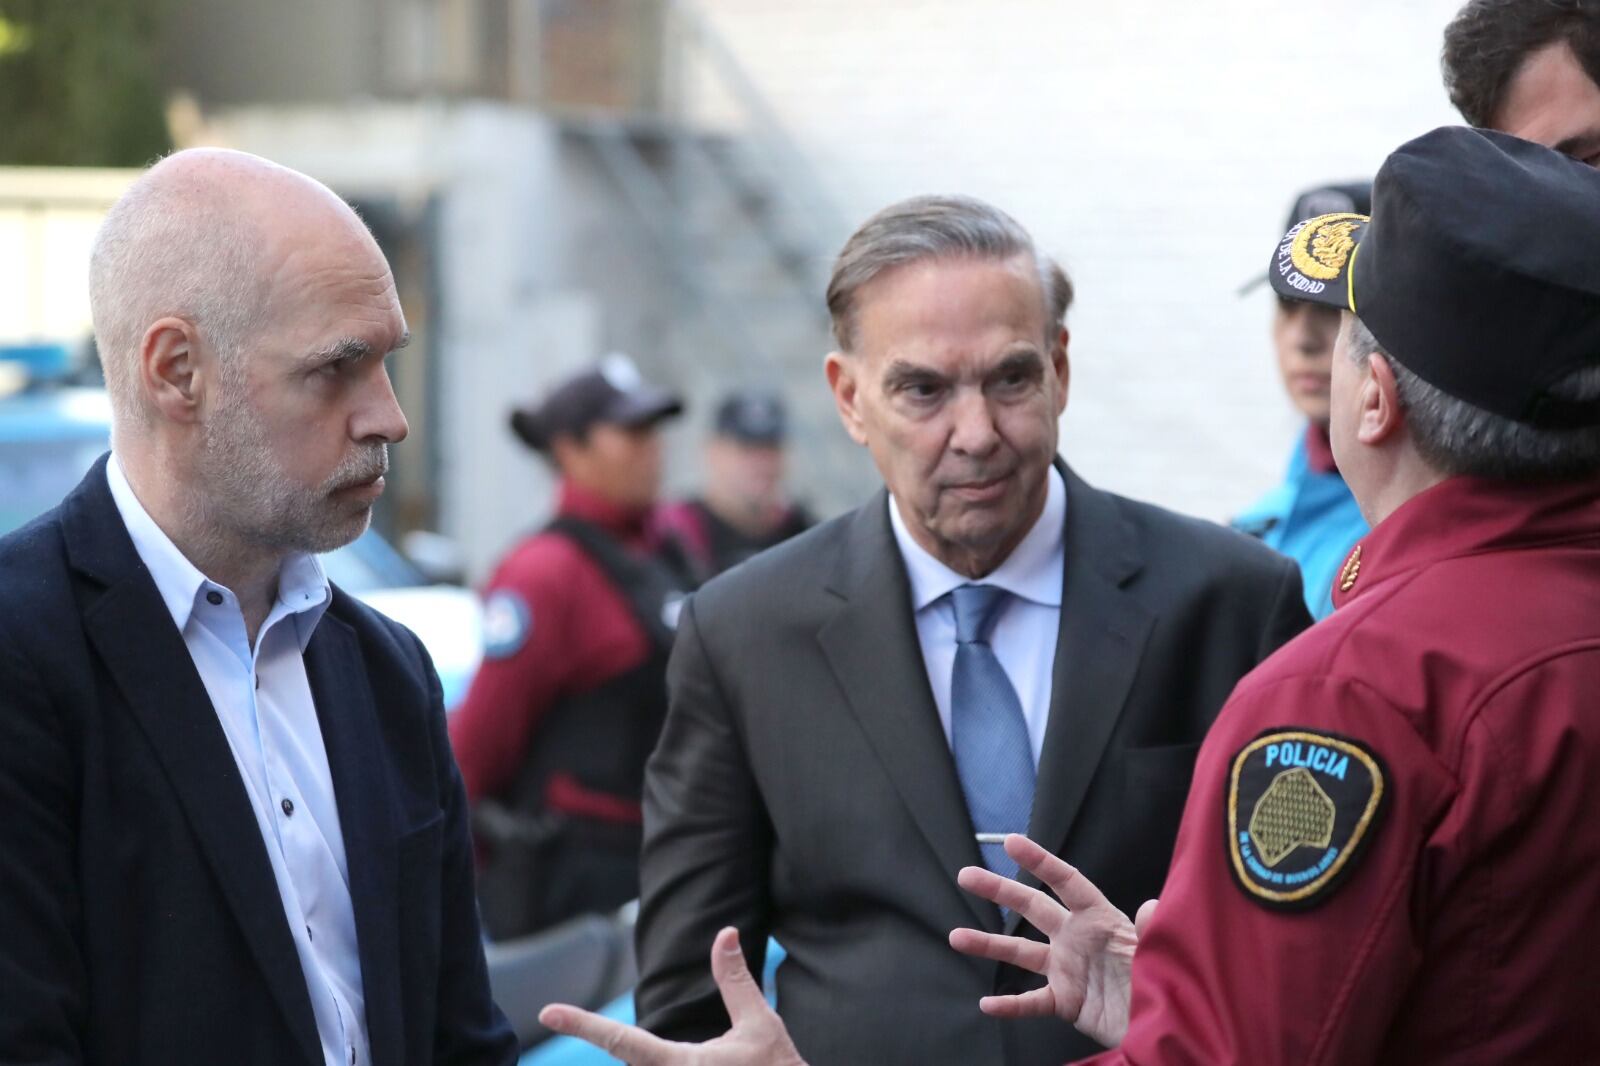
(348, 349)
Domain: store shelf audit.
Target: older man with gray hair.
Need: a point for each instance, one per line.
(233, 828)
(989, 645)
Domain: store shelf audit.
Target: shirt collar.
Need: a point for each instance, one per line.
(1033, 571)
(303, 588)
(1319, 450)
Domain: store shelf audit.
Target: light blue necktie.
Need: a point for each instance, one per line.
(988, 733)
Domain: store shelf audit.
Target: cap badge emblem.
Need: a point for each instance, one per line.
(1324, 244)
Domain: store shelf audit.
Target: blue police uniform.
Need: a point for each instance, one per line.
(1311, 517)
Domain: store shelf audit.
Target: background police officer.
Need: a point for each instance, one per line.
(742, 508)
(553, 734)
(1311, 515)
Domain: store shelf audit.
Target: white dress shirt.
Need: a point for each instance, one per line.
(263, 700)
(1024, 636)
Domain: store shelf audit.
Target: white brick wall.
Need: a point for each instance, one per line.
(1153, 146)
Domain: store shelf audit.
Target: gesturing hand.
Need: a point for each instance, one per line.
(758, 1037)
(1087, 965)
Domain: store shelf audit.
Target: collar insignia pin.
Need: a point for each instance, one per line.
(1351, 571)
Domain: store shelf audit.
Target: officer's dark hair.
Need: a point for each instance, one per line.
(1488, 41)
(1460, 439)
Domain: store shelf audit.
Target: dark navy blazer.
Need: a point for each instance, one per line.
(140, 922)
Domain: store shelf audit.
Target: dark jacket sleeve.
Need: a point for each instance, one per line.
(707, 847)
(469, 1030)
(42, 979)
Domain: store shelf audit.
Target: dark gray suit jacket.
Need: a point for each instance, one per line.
(803, 786)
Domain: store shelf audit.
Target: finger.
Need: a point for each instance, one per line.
(1039, 1003)
(1070, 886)
(1028, 954)
(1045, 913)
(741, 995)
(626, 1042)
(1141, 921)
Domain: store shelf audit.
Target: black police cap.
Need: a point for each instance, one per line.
(752, 418)
(1477, 269)
(611, 392)
(1347, 197)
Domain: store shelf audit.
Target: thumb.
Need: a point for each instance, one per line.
(1141, 921)
(741, 995)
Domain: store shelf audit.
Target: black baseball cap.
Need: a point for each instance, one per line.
(752, 417)
(1350, 196)
(611, 392)
(1477, 269)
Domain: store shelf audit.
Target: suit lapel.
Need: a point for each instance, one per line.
(1102, 635)
(131, 629)
(350, 733)
(872, 647)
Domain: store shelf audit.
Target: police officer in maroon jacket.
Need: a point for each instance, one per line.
(1390, 851)
(553, 734)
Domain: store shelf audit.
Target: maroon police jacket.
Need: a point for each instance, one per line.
(554, 624)
(1391, 850)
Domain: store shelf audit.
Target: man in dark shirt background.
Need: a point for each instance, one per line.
(743, 508)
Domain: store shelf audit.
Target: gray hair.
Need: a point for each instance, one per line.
(166, 249)
(935, 227)
(1458, 438)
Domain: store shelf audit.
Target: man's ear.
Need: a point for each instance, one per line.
(1062, 367)
(170, 372)
(844, 378)
(1381, 416)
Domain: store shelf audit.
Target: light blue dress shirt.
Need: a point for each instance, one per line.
(1024, 637)
(263, 701)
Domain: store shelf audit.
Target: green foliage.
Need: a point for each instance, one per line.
(79, 83)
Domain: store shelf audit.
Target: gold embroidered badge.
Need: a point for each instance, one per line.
(1351, 571)
(1293, 811)
(1301, 805)
(1323, 245)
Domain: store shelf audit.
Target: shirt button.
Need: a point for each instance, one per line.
(288, 806)
(214, 598)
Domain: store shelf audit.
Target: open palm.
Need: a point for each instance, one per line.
(757, 1038)
(1087, 963)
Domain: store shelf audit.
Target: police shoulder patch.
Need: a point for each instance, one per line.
(1300, 806)
(507, 621)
